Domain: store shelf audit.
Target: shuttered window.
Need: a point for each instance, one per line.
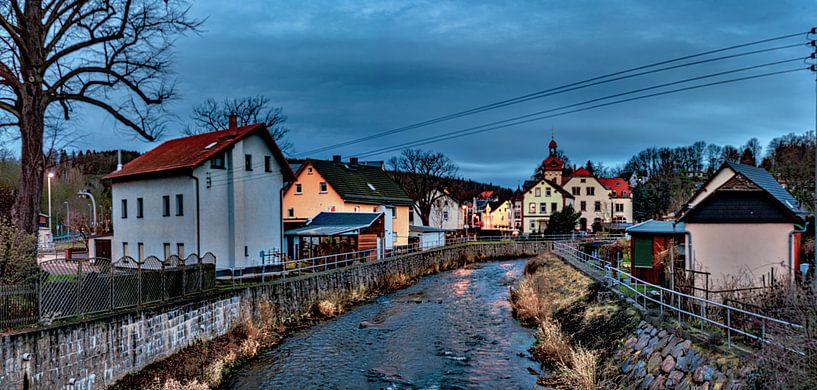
(642, 257)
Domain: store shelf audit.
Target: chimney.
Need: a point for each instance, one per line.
(336, 158)
(353, 160)
(233, 121)
(119, 160)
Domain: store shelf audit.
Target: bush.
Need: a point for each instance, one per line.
(18, 254)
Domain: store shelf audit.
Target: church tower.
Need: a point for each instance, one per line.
(553, 165)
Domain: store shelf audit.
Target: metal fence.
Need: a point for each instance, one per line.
(74, 288)
(735, 323)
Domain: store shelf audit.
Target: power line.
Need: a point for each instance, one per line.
(481, 129)
(543, 93)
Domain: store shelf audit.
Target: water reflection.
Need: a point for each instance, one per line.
(460, 335)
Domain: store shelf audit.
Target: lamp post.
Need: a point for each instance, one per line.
(93, 203)
(68, 218)
(50, 176)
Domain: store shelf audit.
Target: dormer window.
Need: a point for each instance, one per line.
(217, 162)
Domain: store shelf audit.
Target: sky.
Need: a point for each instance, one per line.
(343, 70)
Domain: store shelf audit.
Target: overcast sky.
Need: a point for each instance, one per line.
(342, 70)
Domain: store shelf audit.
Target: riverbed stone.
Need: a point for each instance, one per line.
(703, 374)
(650, 346)
(630, 342)
(658, 383)
(674, 378)
(640, 370)
(654, 363)
(668, 364)
(628, 365)
(653, 332)
(646, 382)
(642, 341)
(662, 342)
(690, 361)
(662, 333)
(671, 343)
(363, 324)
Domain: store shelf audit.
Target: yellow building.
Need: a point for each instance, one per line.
(498, 215)
(337, 186)
(539, 201)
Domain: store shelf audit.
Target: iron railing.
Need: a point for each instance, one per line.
(75, 288)
(693, 310)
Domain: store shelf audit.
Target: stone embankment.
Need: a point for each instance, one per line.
(96, 353)
(657, 359)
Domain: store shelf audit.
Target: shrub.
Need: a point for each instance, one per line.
(18, 253)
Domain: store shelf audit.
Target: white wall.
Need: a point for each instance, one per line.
(727, 249)
(432, 239)
(238, 208)
(438, 210)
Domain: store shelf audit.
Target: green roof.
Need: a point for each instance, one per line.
(362, 183)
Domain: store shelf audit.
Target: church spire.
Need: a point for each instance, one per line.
(552, 145)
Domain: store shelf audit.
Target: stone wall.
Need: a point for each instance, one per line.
(96, 353)
(656, 359)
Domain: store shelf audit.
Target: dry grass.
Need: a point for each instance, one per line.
(552, 346)
(548, 285)
(580, 373)
(394, 281)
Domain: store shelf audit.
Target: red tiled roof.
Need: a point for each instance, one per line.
(581, 172)
(618, 186)
(183, 154)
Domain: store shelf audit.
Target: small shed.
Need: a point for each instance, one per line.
(426, 236)
(649, 239)
(331, 233)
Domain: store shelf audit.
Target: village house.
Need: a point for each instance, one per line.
(336, 232)
(217, 192)
(540, 200)
(498, 215)
(599, 200)
(446, 213)
(742, 224)
(353, 187)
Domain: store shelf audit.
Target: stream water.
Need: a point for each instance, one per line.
(449, 331)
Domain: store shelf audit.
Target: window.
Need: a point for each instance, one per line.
(532, 208)
(309, 171)
(597, 206)
(583, 180)
(547, 192)
(576, 190)
(246, 251)
(124, 249)
(619, 207)
(180, 250)
(543, 208)
(445, 215)
(323, 187)
(140, 248)
(248, 162)
(267, 163)
(532, 225)
(124, 208)
(298, 189)
(167, 250)
(166, 206)
(179, 205)
(590, 191)
(583, 206)
(217, 162)
(643, 255)
(537, 192)
(140, 208)
(553, 206)
(291, 212)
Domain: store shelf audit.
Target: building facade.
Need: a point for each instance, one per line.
(446, 214)
(218, 192)
(599, 200)
(539, 201)
(338, 186)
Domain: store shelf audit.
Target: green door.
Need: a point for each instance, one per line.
(642, 258)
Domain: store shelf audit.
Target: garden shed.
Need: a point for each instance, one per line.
(649, 240)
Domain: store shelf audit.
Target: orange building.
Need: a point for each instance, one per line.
(337, 186)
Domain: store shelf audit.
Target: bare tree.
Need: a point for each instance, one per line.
(56, 55)
(212, 115)
(423, 175)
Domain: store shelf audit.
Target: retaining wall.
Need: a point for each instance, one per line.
(96, 353)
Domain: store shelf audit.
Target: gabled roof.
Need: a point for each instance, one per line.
(581, 172)
(182, 155)
(360, 183)
(617, 185)
(761, 178)
(330, 224)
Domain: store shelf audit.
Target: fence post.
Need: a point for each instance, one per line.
(78, 297)
(110, 285)
(139, 282)
(200, 268)
(728, 329)
(703, 314)
(184, 276)
(661, 301)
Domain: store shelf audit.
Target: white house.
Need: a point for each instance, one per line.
(742, 224)
(427, 237)
(217, 192)
(446, 214)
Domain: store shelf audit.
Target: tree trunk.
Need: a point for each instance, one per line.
(26, 207)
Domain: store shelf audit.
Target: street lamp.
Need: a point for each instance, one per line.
(50, 176)
(93, 202)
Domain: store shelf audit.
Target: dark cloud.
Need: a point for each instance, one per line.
(343, 70)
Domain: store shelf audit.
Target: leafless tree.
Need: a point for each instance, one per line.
(212, 115)
(423, 175)
(56, 55)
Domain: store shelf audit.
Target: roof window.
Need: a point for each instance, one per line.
(371, 187)
(210, 145)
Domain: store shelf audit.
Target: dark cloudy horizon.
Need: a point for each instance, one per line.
(343, 70)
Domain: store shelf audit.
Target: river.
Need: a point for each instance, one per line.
(448, 331)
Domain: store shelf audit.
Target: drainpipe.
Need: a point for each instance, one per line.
(281, 210)
(688, 253)
(198, 219)
(797, 229)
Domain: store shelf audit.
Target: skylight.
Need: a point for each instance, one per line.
(210, 145)
(371, 187)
